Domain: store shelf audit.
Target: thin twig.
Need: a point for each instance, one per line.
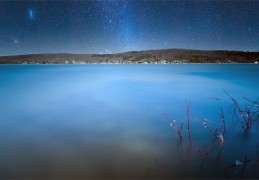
(239, 110)
(188, 122)
(174, 126)
(207, 127)
(201, 153)
(222, 152)
(212, 147)
(223, 121)
(256, 103)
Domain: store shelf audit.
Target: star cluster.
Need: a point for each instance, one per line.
(119, 26)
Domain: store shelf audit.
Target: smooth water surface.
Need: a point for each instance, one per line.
(106, 121)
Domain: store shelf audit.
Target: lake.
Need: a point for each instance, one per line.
(107, 121)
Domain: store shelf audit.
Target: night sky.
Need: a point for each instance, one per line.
(118, 26)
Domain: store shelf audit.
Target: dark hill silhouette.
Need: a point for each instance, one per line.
(149, 56)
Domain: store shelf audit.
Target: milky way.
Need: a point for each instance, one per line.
(119, 26)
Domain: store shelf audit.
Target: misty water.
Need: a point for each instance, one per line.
(106, 121)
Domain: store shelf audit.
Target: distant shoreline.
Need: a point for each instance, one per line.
(118, 63)
(167, 56)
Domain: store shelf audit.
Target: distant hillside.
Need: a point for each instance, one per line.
(150, 56)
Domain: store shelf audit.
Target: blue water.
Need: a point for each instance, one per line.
(106, 121)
